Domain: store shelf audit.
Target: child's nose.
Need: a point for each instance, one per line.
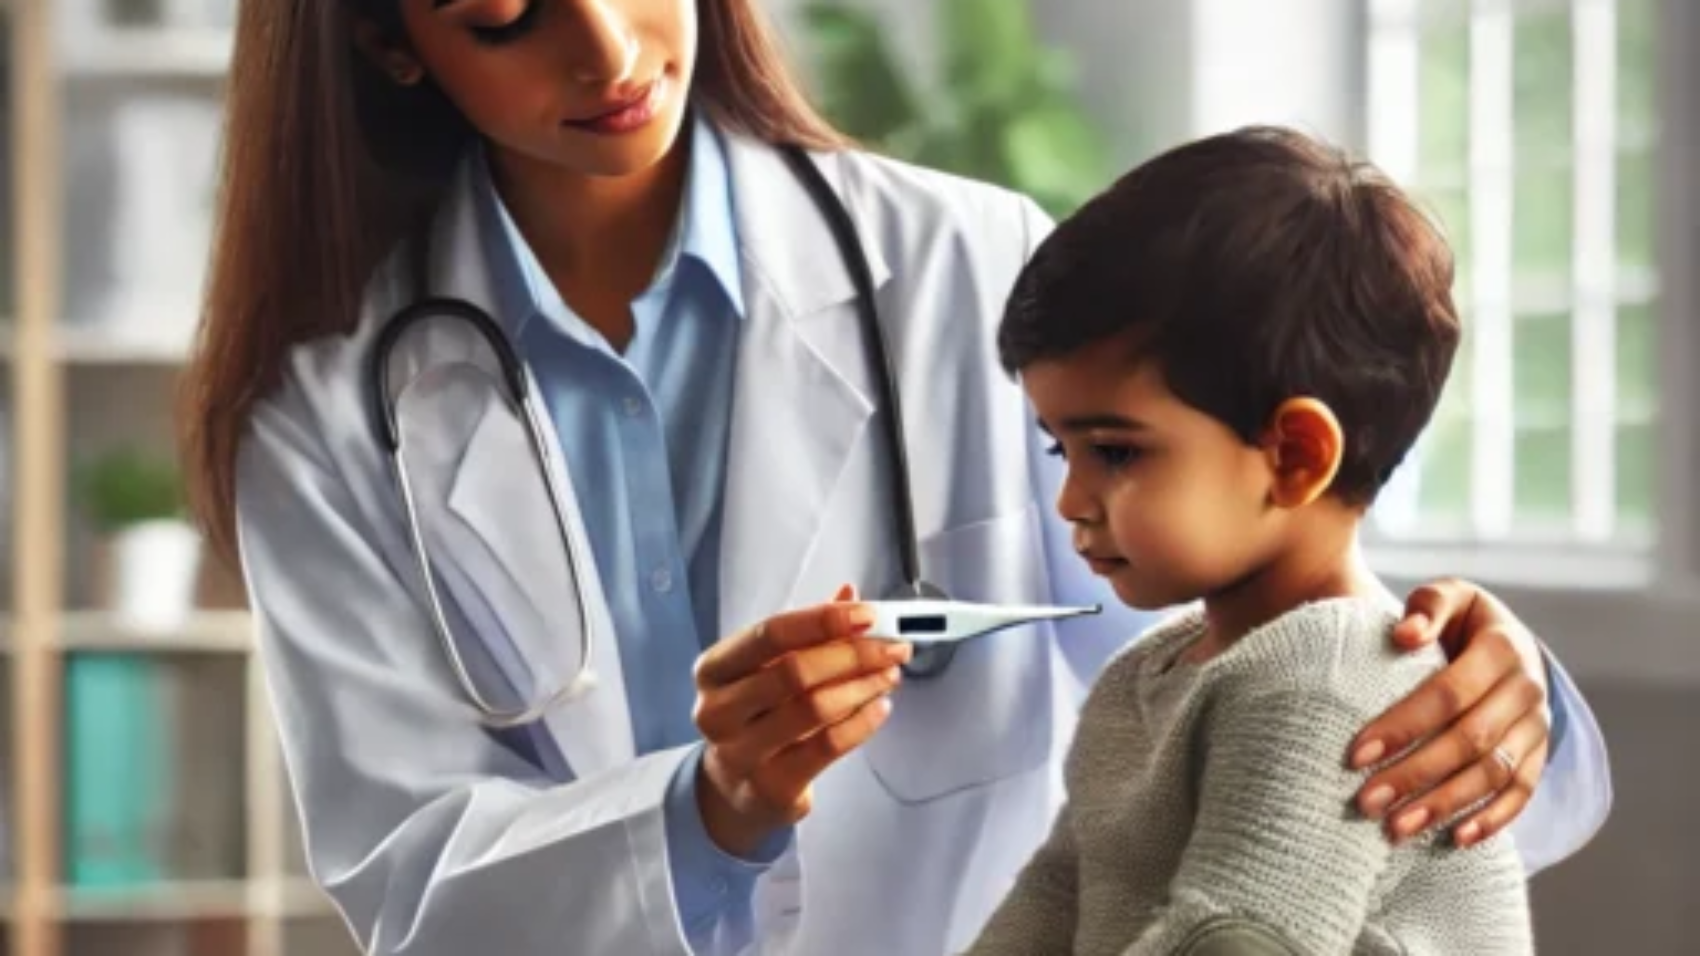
(1075, 503)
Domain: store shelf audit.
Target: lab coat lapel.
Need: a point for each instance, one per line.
(797, 410)
(595, 731)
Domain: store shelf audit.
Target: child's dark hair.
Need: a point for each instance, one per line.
(1254, 267)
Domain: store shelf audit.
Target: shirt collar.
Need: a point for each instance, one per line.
(706, 231)
(709, 227)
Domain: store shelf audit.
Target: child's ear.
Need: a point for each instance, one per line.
(1304, 446)
(390, 54)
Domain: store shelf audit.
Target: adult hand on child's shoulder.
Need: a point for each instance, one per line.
(1484, 718)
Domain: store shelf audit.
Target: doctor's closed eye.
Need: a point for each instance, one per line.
(495, 22)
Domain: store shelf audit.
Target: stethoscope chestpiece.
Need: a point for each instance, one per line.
(929, 661)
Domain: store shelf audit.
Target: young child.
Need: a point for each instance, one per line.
(1233, 348)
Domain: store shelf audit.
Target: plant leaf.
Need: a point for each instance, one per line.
(859, 82)
(1054, 156)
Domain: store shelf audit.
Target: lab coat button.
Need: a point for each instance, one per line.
(661, 579)
(634, 408)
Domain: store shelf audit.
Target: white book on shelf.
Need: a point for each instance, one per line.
(141, 169)
(167, 148)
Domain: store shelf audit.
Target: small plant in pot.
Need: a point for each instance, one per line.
(150, 555)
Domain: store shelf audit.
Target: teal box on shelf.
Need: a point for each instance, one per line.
(116, 732)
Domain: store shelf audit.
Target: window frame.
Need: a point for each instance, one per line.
(1589, 558)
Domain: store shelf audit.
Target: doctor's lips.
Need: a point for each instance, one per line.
(630, 109)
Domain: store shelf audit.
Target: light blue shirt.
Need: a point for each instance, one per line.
(645, 433)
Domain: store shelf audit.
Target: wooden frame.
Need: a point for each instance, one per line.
(246, 915)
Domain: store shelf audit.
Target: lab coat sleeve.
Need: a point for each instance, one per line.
(1575, 794)
(433, 839)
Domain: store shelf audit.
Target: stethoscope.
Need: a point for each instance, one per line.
(931, 658)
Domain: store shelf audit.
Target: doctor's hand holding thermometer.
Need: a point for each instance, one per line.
(779, 703)
(559, 367)
(777, 706)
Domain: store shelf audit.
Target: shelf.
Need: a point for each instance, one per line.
(151, 53)
(174, 902)
(208, 632)
(94, 345)
(227, 632)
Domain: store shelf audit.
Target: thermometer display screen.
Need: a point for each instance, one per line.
(921, 624)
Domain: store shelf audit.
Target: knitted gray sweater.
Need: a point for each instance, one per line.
(1210, 811)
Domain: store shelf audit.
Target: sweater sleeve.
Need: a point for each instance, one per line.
(1039, 914)
(1279, 863)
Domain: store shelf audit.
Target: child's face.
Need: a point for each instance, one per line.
(544, 84)
(1167, 503)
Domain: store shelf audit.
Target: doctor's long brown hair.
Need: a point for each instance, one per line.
(327, 164)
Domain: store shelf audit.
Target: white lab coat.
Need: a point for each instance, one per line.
(435, 840)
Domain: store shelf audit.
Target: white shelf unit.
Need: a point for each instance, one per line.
(128, 54)
(75, 387)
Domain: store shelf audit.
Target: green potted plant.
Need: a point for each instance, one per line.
(1003, 110)
(149, 555)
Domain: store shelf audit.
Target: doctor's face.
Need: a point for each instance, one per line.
(1167, 503)
(597, 87)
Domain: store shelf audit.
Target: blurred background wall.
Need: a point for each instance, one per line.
(1554, 139)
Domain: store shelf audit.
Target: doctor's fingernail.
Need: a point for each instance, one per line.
(1378, 800)
(861, 615)
(1468, 834)
(899, 653)
(1411, 821)
(1369, 753)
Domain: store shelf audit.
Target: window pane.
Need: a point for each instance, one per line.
(1635, 225)
(1541, 370)
(1445, 463)
(1450, 209)
(1541, 70)
(1542, 214)
(1443, 122)
(1459, 389)
(1636, 55)
(1637, 360)
(1635, 478)
(1543, 475)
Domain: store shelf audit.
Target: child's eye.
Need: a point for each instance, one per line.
(1055, 450)
(1116, 456)
(512, 30)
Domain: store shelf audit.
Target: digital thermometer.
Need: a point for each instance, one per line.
(945, 622)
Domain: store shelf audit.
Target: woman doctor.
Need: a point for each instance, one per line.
(602, 177)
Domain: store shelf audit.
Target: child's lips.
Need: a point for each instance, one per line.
(1104, 564)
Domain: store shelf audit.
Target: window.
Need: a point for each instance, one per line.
(1527, 127)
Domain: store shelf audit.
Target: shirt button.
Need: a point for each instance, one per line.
(661, 579)
(634, 408)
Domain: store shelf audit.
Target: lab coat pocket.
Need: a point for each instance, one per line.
(987, 717)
